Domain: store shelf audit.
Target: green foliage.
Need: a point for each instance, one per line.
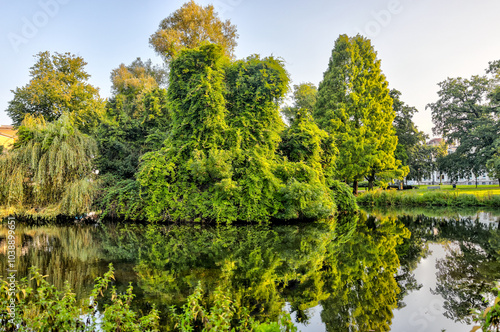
(412, 147)
(44, 308)
(121, 199)
(464, 115)
(189, 175)
(220, 161)
(431, 198)
(58, 85)
(138, 119)
(223, 315)
(49, 171)
(355, 107)
(189, 27)
(139, 77)
(346, 202)
(304, 142)
(304, 97)
(489, 319)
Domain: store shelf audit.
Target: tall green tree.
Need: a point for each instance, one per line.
(193, 169)
(58, 85)
(493, 164)
(304, 98)
(188, 27)
(464, 115)
(354, 106)
(49, 171)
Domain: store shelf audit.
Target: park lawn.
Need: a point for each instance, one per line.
(480, 191)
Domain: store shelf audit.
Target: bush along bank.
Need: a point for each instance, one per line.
(436, 198)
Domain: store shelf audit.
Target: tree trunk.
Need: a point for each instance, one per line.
(370, 184)
(476, 180)
(355, 188)
(499, 181)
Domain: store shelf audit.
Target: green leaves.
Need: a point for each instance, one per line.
(220, 161)
(58, 85)
(190, 26)
(50, 170)
(354, 106)
(466, 114)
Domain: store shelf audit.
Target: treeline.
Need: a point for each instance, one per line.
(467, 115)
(204, 136)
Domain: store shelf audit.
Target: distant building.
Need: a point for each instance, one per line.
(435, 142)
(7, 136)
(435, 176)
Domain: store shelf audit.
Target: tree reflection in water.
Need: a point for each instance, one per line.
(359, 269)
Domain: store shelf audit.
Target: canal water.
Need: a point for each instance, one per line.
(392, 270)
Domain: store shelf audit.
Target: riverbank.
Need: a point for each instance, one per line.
(482, 196)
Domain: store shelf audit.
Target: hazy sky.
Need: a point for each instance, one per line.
(420, 42)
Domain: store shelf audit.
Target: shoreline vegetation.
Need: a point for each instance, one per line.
(464, 196)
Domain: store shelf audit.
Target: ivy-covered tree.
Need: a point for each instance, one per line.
(188, 27)
(49, 171)
(58, 85)
(220, 160)
(184, 177)
(354, 105)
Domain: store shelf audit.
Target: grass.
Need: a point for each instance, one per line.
(463, 195)
(480, 191)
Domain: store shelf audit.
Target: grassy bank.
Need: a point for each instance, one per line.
(462, 196)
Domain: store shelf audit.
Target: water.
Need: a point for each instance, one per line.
(386, 270)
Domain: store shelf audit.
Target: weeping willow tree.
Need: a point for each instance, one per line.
(49, 170)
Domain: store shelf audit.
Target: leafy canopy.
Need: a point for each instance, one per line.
(58, 85)
(466, 115)
(188, 27)
(354, 105)
(220, 161)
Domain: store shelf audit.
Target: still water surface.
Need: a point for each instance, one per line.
(381, 271)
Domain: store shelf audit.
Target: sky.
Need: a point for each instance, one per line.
(419, 42)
